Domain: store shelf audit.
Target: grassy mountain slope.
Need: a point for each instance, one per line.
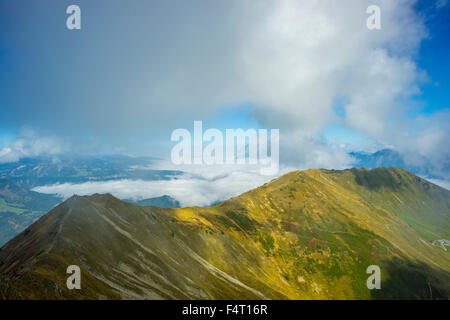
(306, 235)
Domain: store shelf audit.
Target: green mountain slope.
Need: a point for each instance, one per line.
(20, 207)
(306, 235)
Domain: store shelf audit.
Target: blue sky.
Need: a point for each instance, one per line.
(433, 57)
(134, 73)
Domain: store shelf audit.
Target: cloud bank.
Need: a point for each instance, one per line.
(302, 64)
(31, 144)
(198, 187)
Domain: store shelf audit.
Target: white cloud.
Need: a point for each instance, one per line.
(442, 183)
(301, 56)
(201, 186)
(297, 58)
(30, 144)
(426, 143)
(293, 59)
(8, 155)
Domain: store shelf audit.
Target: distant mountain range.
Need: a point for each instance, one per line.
(391, 158)
(39, 171)
(306, 235)
(33, 172)
(20, 207)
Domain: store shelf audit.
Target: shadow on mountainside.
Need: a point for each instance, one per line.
(407, 280)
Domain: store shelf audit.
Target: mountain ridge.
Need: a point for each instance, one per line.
(306, 235)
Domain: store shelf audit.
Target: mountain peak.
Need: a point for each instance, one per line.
(96, 197)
